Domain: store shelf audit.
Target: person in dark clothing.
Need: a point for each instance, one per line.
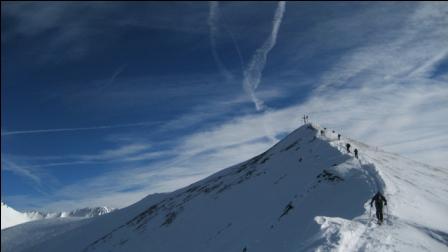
(339, 136)
(379, 200)
(348, 147)
(288, 208)
(356, 153)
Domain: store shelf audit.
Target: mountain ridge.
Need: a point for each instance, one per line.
(305, 193)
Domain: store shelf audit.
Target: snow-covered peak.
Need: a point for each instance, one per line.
(306, 193)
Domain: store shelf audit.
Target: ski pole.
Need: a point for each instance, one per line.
(387, 210)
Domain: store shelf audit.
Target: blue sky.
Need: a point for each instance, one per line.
(105, 103)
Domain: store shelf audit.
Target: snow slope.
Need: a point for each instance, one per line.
(21, 237)
(12, 217)
(306, 193)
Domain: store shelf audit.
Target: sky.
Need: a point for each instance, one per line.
(104, 103)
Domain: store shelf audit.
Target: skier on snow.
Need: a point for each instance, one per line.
(379, 199)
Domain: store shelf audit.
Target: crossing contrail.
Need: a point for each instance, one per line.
(39, 131)
(253, 72)
(213, 18)
(237, 48)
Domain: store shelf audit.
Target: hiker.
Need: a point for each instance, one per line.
(339, 136)
(379, 200)
(305, 119)
(356, 153)
(322, 132)
(348, 147)
(287, 209)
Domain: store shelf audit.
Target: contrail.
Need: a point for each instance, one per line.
(114, 76)
(237, 48)
(212, 23)
(252, 74)
(21, 132)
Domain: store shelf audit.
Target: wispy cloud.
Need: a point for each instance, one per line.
(121, 152)
(76, 25)
(32, 19)
(40, 180)
(8, 165)
(398, 55)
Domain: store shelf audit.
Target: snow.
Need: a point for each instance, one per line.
(20, 237)
(306, 193)
(12, 217)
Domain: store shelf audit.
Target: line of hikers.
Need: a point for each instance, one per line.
(348, 150)
(322, 133)
(378, 199)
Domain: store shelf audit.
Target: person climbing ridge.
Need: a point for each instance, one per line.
(379, 199)
(322, 132)
(339, 136)
(356, 153)
(348, 147)
(286, 210)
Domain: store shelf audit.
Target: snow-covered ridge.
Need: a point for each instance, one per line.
(306, 193)
(87, 212)
(11, 217)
